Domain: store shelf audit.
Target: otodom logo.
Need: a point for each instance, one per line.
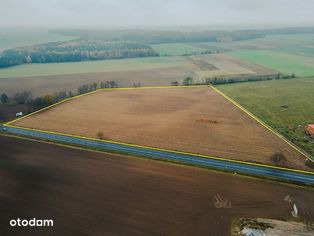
(32, 222)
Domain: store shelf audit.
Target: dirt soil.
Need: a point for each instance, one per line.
(88, 193)
(196, 120)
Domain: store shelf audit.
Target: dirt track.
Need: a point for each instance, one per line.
(89, 193)
(196, 120)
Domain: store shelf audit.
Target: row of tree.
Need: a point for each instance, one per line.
(179, 36)
(26, 97)
(221, 80)
(251, 78)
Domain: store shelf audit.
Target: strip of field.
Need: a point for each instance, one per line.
(196, 120)
(42, 85)
(102, 194)
(31, 70)
(270, 42)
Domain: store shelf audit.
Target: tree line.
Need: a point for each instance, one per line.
(176, 36)
(75, 50)
(251, 78)
(35, 103)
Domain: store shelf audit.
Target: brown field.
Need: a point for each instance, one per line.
(208, 66)
(196, 120)
(257, 69)
(199, 64)
(42, 85)
(88, 193)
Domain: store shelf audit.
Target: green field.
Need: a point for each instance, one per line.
(28, 70)
(10, 38)
(301, 66)
(272, 42)
(176, 49)
(286, 105)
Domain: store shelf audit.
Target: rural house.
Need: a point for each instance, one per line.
(309, 129)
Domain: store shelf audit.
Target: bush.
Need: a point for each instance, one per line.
(309, 164)
(278, 158)
(100, 135)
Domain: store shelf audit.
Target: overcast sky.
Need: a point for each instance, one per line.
(130, 13)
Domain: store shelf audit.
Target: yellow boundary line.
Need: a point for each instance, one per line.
(262, 123)
(154, 148)
(162, 149)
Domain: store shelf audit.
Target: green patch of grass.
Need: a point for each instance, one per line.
(285, 105)
(286, 63)
(176, 49)
(28, 70)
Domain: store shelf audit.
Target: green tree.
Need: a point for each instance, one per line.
(188, 81)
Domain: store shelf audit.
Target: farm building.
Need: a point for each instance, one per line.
(309, 129)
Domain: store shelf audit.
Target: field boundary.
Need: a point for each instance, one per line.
(307, 156)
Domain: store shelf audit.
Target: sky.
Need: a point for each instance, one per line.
(154, 13)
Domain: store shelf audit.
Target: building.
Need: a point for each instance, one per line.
(309, 129)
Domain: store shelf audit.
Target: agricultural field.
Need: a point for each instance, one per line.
(176, 49)
(80, 190)
(270, 42)
(42, 85)
(284, 53)
(195, 119)
(42, 79)
(286, 105)
(11, 38)
(301, 66)
(31, 70)
(222, 65)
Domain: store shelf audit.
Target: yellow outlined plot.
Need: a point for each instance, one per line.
(9, 124)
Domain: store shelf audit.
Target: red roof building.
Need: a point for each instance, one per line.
(309, 129)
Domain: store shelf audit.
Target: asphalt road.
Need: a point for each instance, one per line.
(188, 159)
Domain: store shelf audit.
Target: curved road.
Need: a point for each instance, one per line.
(188, 159)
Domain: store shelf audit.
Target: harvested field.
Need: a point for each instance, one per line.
(88, 193)
(216, 66)
(257, 69)
(196, 120)
(201, 65)
(42, 85)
